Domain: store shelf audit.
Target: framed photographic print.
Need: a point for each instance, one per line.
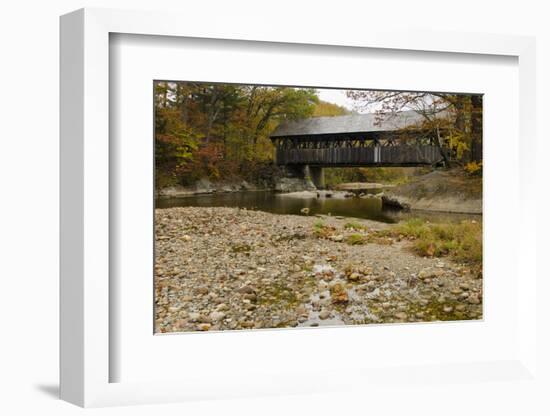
(285, 213)
(270, 212)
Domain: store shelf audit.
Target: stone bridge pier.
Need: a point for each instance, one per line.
(316, 175)
(311, 176)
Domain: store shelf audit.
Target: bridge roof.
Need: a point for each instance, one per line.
(339, 125)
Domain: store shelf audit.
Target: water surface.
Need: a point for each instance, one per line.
(268, 201)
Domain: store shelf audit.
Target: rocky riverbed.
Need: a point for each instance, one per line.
(230, 268)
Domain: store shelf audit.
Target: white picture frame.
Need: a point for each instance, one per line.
(86, 356)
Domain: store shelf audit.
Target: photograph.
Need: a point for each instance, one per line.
(303, 207)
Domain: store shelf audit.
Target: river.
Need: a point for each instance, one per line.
(268, 201)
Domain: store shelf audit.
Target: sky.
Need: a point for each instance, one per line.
(335, 97)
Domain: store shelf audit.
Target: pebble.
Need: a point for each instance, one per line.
(194, 317)
(354, 276)
(225, 268)
(217, 316)
(204, 327)
(474, 300)
(251, 297)
(301, 311)
(400, 315)
(324, 314)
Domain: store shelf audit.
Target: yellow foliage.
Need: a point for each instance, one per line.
(324, 109)
(473, 168)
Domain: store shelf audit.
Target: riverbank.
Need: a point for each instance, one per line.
(230, 268)
(450, 190)
(439, 191)
(205, 186)
(279, 182)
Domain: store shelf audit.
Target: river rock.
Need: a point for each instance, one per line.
(354, 277)
(194, 317)
(301, 310)
(204, 327)
(246, 290)
(202, 291)
(339, 293)
(324, 314)
(393, 202)
(400, 315)
(430, 274)
(217, 316)
(474, 300)
(251, 297)
(203, 281)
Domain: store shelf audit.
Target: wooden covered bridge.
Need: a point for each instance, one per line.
(354, 140)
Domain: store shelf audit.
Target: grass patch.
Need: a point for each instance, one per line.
(380, 237)
(319, 225)
(354, 226)
(321, 230)
(355, 239)
(241, 248)
(462, 241)
(282, 294)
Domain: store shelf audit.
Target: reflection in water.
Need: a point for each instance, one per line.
(367, 208)
(370, 208)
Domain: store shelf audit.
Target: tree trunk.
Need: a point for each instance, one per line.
(477, 127)
(440, 147)
(461, 105)
(182, 100)
(212, 114)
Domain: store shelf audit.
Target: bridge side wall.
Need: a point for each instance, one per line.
(400, 155)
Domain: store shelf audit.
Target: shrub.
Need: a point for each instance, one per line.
(474, 168)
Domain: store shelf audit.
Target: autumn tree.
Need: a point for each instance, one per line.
(454, 114)
(221, 129)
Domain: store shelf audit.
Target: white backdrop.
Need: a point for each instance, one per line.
(29, 172)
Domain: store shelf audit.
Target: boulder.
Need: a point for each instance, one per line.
(393, 202)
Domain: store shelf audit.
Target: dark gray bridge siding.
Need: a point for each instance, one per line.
(400, 155)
